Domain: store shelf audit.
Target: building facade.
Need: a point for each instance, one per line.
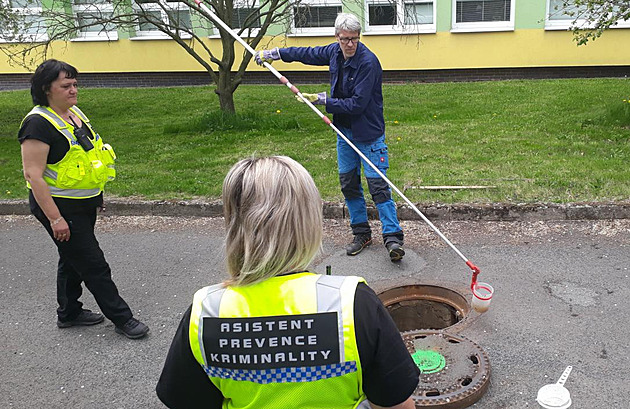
(414, 39)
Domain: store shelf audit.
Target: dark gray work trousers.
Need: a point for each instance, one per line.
(81, 260)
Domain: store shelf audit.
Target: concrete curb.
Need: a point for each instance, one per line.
(332, 210)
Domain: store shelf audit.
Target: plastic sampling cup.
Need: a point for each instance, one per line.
(482, 296)
(555, 395)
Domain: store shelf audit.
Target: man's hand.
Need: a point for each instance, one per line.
(267, 56)
(316, 99)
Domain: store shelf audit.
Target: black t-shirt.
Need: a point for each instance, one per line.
(39, 128)
(389, 373)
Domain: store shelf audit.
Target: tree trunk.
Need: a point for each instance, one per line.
(224, 91)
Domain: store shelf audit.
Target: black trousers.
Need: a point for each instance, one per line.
(81, 260)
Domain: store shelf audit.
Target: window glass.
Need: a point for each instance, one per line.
(240, 16)
(473, 11)
(30, 25)
(558, 12)
(88, 14)
(418, 13)
(413, 16)
(180, 18)
(382, 14)
(89, 25)
(174, 14)
(22, 4)
(90, 2)
(33, 25)
(315, 16)
(147, 17)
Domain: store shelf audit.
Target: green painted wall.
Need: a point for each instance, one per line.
(444, 14)
(529, 14)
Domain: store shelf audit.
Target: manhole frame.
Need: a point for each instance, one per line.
(393, 294)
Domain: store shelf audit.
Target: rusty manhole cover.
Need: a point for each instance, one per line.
(455, 372)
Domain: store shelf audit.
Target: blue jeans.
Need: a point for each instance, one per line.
(350, 163)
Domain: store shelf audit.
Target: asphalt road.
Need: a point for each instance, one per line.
(561, 298)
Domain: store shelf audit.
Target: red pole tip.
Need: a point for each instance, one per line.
(476, 272)
(473, 267)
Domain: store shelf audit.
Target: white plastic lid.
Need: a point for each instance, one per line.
(554, 396)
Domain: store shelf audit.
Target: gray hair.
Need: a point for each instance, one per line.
(347, 22)
(273, 218)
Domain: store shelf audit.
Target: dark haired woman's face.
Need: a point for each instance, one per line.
(63, 92)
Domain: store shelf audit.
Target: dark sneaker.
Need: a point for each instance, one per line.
(132, 329)
(360, 242)
(396, 251)
(86, 317)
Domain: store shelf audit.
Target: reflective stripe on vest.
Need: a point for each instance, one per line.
(54, 119)
(315, 298)
(50, 175)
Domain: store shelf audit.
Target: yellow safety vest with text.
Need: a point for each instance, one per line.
(79, 174)
(287, 342)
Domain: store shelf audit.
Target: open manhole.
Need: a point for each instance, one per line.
(454, 371)
(421, 306)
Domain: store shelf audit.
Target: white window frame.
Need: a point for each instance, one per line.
(25, 11)
(249, 4)
(481, 26)
(94, 8)
(314, 31)
(565, 24)
(157, 34)
(400, 27)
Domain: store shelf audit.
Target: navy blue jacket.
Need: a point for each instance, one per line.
(362, 86)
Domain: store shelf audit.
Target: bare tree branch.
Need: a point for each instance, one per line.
(59, 22)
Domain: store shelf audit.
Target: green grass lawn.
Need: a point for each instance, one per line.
(535, 141)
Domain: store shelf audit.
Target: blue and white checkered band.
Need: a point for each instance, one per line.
(284, 375)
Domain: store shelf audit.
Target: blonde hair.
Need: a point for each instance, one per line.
(273, 218)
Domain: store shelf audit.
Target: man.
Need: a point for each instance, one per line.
(356, 103)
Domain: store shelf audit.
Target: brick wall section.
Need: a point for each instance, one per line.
(170, 79)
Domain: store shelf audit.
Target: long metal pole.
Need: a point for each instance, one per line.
(327, 120)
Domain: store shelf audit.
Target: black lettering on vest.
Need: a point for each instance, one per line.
(272, 342)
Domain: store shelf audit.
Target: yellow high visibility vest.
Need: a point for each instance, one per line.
(79, 174)
(285, 343)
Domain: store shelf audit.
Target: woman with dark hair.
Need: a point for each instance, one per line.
(66, 165)
(275, 335)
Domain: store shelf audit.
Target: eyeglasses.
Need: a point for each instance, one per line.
(346, 40)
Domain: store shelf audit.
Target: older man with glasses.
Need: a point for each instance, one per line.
(356, 102)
